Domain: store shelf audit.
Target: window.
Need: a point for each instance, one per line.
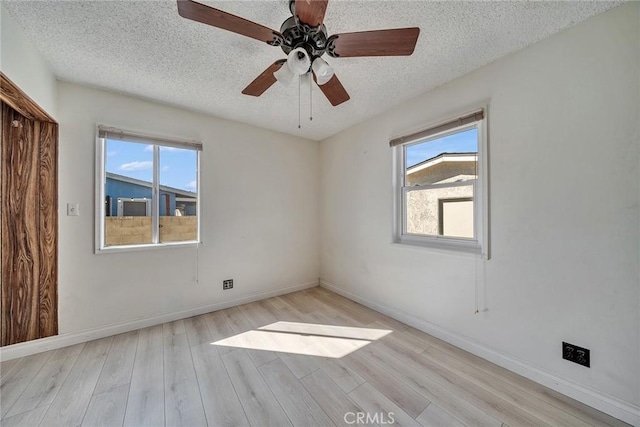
(440, 185)
(147, 190)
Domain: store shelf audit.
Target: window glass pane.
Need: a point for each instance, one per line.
(128, 193)
(442, 211)
(178, 194)
(451, 158)
(442, 207)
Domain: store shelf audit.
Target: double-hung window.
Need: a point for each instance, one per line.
(441, 188)
(147, 190)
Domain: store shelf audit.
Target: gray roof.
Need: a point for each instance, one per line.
(142, 183)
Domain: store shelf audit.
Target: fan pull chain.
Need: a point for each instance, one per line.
(299, 99)
(310, 98)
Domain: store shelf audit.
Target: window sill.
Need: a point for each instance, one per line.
(149, 247)
(442, 244)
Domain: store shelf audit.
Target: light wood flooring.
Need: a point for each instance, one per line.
(305, 359)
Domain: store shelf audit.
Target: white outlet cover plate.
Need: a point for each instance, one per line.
(73, 209)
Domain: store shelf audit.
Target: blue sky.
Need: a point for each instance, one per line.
(463, 142)
(177, 166)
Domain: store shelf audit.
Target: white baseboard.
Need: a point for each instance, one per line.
(624, 411)
(63, 340)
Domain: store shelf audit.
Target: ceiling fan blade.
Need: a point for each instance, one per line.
(394, 42)
(264, 80)
(311, 12)
(334, 91)
(208, 15)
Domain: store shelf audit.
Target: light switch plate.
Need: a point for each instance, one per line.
(73, 209)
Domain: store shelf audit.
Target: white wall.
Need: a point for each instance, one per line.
(260, 197)
(564, 185)
(24, 65)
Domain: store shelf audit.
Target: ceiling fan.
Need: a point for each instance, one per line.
(304, 38)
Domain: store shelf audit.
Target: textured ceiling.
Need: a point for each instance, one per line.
(145, 48)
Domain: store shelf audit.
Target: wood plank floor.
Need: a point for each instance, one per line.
(311, 358)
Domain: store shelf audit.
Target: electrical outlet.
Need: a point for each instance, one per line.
(227, 284)
(575, 354)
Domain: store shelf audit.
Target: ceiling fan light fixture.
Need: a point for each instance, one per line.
(284, 75)
(297, 64)
(298, 61)
(322, 70)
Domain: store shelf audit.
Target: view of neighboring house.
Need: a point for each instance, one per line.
(127, 196)
(445, 210)
(128, 212)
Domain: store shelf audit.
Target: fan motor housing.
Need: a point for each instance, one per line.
(296, 34)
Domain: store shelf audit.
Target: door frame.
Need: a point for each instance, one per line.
(14, 97)
(22, 104)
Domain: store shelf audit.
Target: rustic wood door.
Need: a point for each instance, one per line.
(28, 227)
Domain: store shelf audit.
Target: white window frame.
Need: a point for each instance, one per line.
(101, 180)
(480, 243)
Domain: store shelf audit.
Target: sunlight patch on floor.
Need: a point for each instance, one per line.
(305, 338)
